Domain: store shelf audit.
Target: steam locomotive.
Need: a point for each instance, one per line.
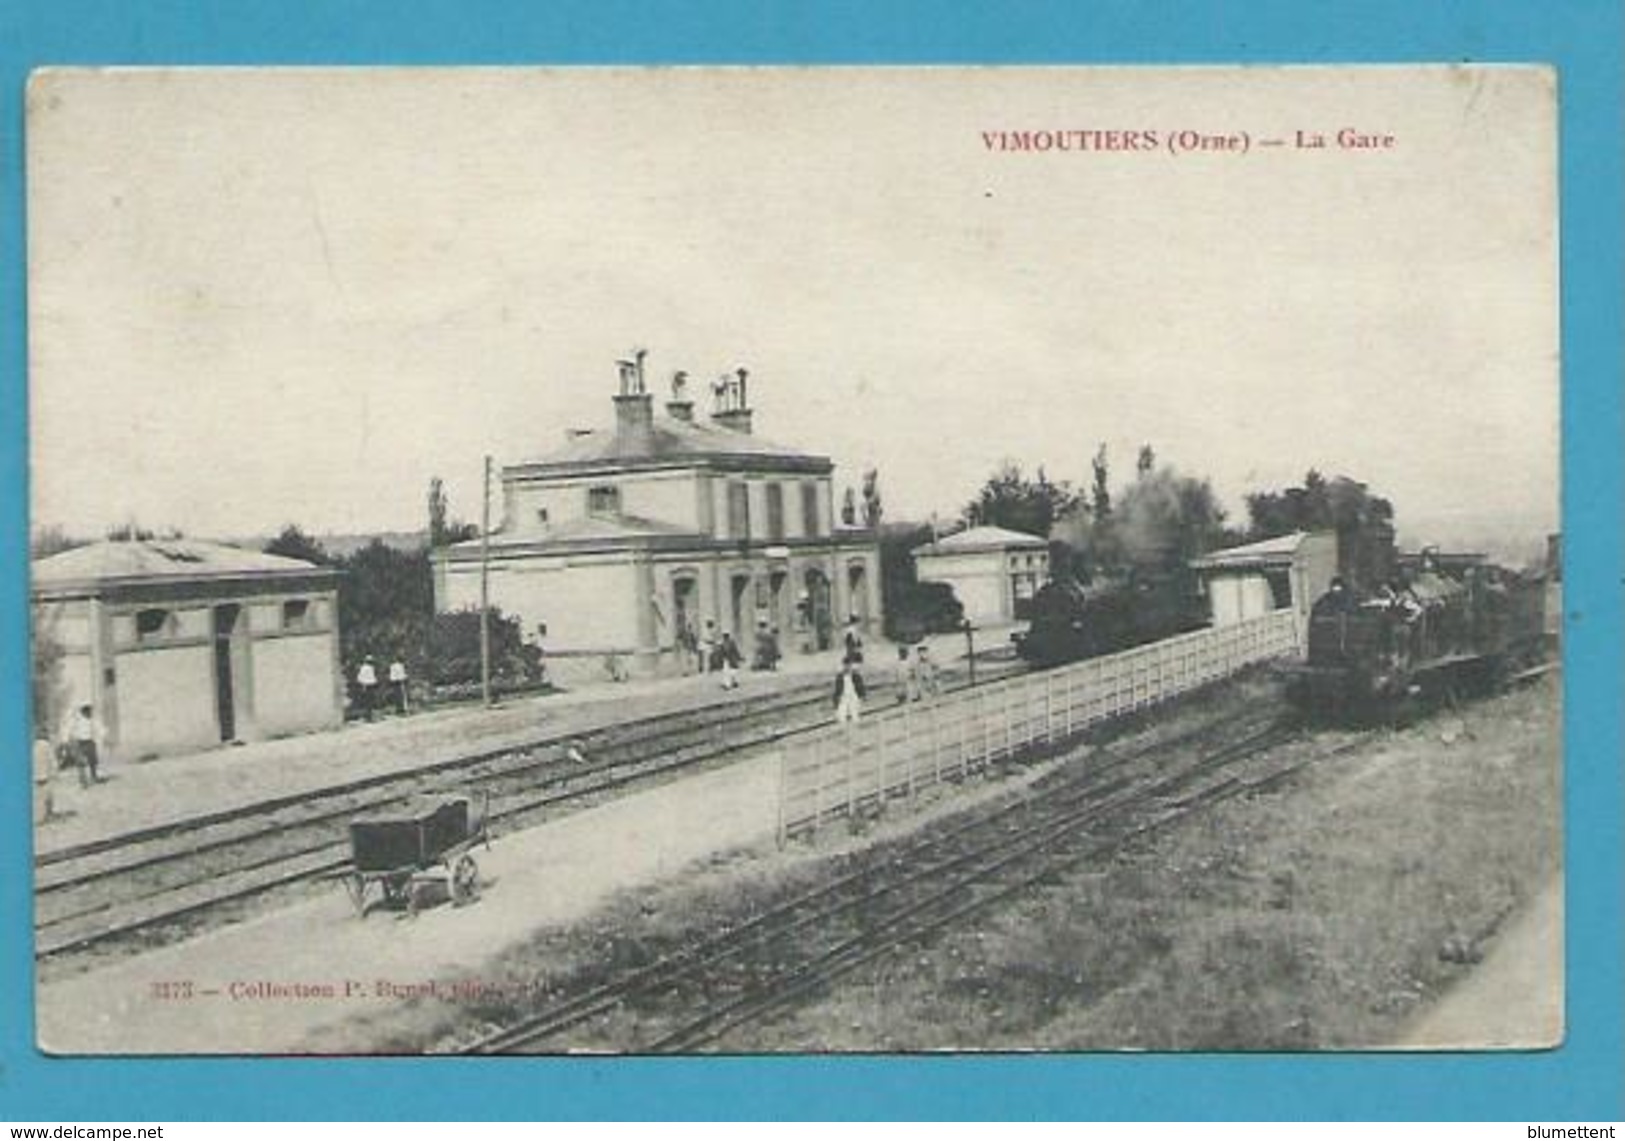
(1070, 622)
(1451, 625)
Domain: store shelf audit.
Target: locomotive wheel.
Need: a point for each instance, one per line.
(465, 881)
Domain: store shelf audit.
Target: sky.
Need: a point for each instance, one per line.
(269, 296)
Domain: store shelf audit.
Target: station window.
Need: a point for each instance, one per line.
(809, 510)
(297, 614)
(605, 500)
(152, 624)
(541, 516)
(738, 511)
(775, 511)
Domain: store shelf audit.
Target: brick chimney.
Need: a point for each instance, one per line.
(732, 409)
(634, 407)
(680, 407)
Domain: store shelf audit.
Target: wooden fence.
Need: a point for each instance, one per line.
(895, 751)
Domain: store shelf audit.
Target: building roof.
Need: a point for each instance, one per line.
(668, 441)
(1278, 551)
(587, 529)
(117, 562)
(981, 539)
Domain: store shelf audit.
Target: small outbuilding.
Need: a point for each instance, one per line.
(1249, 581)
(181, 644)
(994, 571)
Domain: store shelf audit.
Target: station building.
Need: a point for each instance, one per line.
(625, 536)
(181, 644)
(1255, 579)
(994, 571)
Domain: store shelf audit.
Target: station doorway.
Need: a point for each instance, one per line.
(227, 621)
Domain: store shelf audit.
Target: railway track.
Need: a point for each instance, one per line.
(148, 887)
(693, 995)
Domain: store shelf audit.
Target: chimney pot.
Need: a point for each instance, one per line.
(634, 407)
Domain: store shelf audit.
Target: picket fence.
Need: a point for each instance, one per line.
(844, 770)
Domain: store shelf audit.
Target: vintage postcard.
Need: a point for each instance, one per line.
(752, 560)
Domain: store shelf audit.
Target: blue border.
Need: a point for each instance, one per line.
(1582, 1080)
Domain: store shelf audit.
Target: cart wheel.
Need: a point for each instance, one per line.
(465, 881)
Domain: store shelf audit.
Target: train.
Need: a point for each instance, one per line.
(1444, 626)
(1070, 622)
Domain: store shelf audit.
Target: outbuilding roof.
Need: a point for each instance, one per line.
(1268, 552)
(981, 539)
(117, 561)
(668, 440)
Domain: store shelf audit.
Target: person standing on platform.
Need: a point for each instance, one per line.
(85, 740)
(849, 693)
(925, 668)
(854, 640)
(688, 646)
(767, 647)
(708, 647)
(44, 776)
(728, 661)
(397, 684)
(908, 678)
(366, 683)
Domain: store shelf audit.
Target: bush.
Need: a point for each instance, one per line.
(923, 608)
(454, 649)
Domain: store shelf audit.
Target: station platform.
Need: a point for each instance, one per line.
(145, 794)
(310, 977)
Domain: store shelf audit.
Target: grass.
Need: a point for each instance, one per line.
(1321, 916)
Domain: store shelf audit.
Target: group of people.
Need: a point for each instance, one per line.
(370, 696)
(916, 675)
(709, 651)
(81, 747)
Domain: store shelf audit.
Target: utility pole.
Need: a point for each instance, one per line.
(970, 650)
(485, 586)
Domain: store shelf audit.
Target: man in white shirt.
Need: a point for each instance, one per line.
(849, 693)
(85, 739)
(397, 684)
(366, 680)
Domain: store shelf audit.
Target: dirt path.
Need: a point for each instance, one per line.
(1514, 998)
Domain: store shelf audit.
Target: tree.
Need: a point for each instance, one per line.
(1010, 500)
(444, 530)
(1100, 503)
(386, 605)
(871, 499)
(912, 608)
(293, 543)
(1364, 523)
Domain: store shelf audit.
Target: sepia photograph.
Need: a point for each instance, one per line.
(795, 560)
